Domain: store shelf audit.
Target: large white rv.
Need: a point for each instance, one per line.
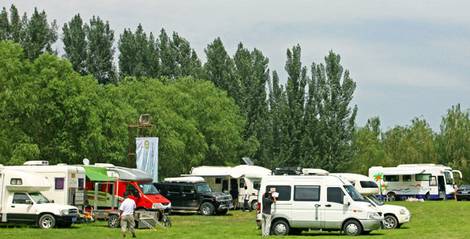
(394, 216)
(234, 179)
(427, 181)
(67, 181)
(22, 201)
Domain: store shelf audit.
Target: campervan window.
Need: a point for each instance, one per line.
(257, 184)
(423, 177)
(59, 183)
(81, 183)
(406, 178)
(218, 180)
(391, 178)
(368, 184)
(242, 182)
(20, 198)
(433, 181)
(38, 198)
(335, 195)
(307, 193)
(16, 181)
(449, 179)
(284, 192)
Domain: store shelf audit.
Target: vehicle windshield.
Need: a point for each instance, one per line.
(38, 198)
(203, 188)
(148, 189)
(355, 195)
(374, 200)
(449, 179)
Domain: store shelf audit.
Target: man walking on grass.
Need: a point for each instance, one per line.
(127, 215)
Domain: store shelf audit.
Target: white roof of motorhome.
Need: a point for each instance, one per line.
(30, 182)
(352, 176)
(249, 171)
(328, 180)
(408, 169)
(185, 180)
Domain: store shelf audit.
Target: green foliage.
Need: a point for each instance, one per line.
(75, 44)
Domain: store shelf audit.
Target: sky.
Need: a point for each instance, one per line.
(408, 58)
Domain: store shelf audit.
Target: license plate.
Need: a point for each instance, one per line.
(74, 219)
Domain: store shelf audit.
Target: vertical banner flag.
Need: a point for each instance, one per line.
(147, 155)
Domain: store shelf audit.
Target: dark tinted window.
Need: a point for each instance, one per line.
(368, 184)
(20, 198)
(284, 192)
(132, 190)
(391, 178)
(335, 195)
(257, 184)
(307, 193)
(59, 183)
(188, 189)
(81, 183)
(406, 178)
(423, 177)
(174, 189)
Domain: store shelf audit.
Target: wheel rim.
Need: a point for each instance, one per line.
(391, 197)
(47, 222)
(280, 229)
(389, 222)
(113, 221)
(205, 210)
(352, 229)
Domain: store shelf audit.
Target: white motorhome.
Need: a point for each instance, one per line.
(67, 181)
(320, 203)
(233, 180)
(427, 181)
(21, 201)
(394, 216)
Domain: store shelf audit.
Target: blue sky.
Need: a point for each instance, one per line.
(409, 58)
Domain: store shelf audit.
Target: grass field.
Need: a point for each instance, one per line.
(447, 219)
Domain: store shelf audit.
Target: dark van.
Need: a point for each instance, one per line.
(193, 194)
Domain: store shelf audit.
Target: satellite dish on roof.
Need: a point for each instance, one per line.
(86, 161)
(248, 161)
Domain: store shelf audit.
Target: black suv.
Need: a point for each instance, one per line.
(194, 194)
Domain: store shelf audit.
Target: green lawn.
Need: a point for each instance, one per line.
(447, 219)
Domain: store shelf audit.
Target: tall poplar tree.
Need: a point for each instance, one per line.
(75, 44)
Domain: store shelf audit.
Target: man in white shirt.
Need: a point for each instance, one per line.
(246, 200)
(127, 215)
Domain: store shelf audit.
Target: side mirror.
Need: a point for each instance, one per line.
(346, 201)
(29, 202)
(52, 201)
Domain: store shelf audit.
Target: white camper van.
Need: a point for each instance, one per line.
(394, 216)
(427, 181)
(67, 181)
(319, 202)
(22, 201)
(234, 179)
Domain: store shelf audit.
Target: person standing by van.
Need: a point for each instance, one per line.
(246, 200)
(268, 200)
(127, 215)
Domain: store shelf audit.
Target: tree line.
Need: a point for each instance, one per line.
(63, 109)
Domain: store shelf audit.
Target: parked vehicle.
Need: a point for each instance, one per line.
(107, 184)
(67, 181)
(193, 194)
(319, 203)
(463, 193)
(22, 201)
(394, 216)
(228, 179)
(427, 181)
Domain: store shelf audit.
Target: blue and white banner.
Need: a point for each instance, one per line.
(147, 155)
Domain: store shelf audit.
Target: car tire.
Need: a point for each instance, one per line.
(280, 228)
(113, 221)
(207, 209)
(352, 228)
(46, 221)
(390, 222)
(254, 205)
(391, 196)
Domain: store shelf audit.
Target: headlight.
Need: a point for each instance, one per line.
(374, 215)
(156, 205)
(64, 212)
(403, 211)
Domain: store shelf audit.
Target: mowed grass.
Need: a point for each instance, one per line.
(443, 219)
